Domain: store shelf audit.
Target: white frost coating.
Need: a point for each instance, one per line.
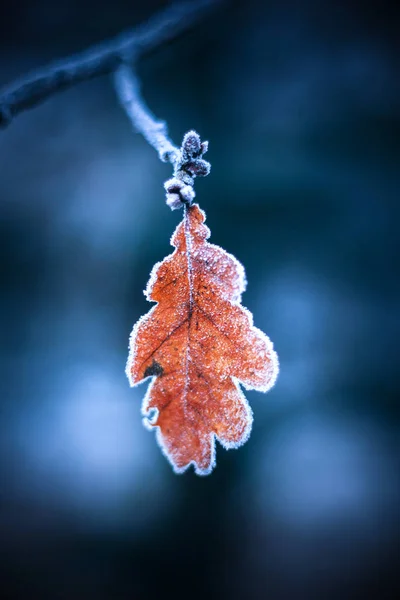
(150, 415)
(132, 346)
(273, 370)
(249, 421)
(153, 278)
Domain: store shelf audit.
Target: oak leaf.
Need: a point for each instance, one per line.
(197, 343)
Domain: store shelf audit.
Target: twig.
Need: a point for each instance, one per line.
(155, 132)
(187, 161)
(34, 88)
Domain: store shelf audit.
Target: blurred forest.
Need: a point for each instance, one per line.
(300, 102)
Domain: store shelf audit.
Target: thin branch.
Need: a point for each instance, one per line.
(102, 59)
(155, 132)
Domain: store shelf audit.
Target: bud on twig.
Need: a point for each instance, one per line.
(189, 164)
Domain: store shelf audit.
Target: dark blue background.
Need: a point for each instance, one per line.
(300, 103)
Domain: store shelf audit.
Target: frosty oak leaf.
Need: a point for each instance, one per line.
(197, 344)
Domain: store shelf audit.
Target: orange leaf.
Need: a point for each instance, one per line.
(197, 343)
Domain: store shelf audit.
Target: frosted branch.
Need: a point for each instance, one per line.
(34, 88)
(155, 132)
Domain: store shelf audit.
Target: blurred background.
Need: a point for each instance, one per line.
(300, 103)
